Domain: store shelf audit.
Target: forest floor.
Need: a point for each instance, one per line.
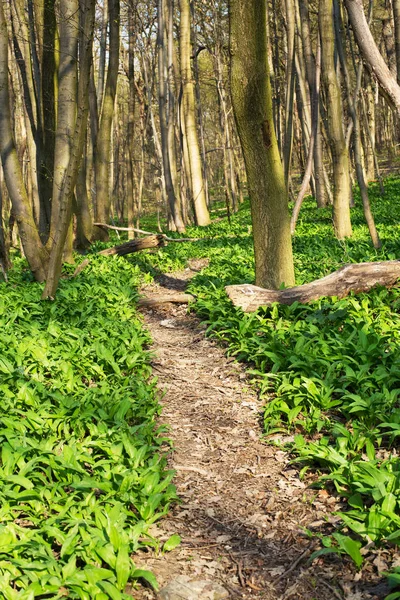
(243, 509)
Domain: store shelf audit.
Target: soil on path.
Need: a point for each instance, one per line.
(243, 507)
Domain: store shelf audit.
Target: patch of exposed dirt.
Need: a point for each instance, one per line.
(243, 507)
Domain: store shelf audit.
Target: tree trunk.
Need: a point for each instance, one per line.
(84, 220)
(340, 155)
(189, 115)
(162, 47)
(320, 190)
(78, 139)
(199, 105)
(66, 105)
(352, 102)
(311, 149)
(252, 104)
(104, 146)
(172, 113)
(369, 135)
(31, 243)
(130, 141)
(396, 19)
(370, 52)
(290, 86)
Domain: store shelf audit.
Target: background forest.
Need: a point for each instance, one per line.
(148, 125)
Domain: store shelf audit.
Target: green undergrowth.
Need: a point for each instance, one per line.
(329, 371)
(83, 470)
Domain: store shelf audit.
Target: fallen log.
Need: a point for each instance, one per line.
(151, 241)
(360, 277)
(163, 299)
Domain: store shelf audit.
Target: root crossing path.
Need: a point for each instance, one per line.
(243, 508)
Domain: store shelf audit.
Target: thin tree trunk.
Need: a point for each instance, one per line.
(229, 170)
(130, 175)
(189, 116)
(79, 135)
(252, 103)
(340, 155)
(162, 47)
(290, 87)
(66, 105)
(370, 51)
(104, 142)
(171, 114)
(31, 243)
(311, 149)
(199, 105)
(103, 51)
(84, 220)
(369, 140)
(320, 189)
(352, 101)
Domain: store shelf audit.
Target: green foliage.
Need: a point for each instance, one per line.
(82, 474)
(329, 371)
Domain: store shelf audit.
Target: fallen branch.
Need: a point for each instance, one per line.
(152, 241)
(105, 226)
(168, 239)
(355, 278)
(175, 298)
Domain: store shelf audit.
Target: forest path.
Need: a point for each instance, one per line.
(242, 504)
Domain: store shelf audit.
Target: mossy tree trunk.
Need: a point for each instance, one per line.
(252, 104)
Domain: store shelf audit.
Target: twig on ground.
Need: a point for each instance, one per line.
(238, 564)
(330, 587)
(292, 567)
(194, 469)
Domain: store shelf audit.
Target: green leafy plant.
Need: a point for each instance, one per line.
(82, 475)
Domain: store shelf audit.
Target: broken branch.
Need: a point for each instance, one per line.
(168, 239)
(175, 298)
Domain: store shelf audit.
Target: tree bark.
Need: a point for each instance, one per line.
(130, 141)
(311, 149)
(31, 243)
(290, 87)
(189, 116)
(320, 189)
(78, 136)
(340, 155)
(252, 104)
(396, 19)
(104, 147)
(66, 103)
(370, 52)
(163, 81)
(352, 103)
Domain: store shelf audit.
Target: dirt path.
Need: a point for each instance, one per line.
(243, 506)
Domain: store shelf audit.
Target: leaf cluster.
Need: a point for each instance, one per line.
(82, 468)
